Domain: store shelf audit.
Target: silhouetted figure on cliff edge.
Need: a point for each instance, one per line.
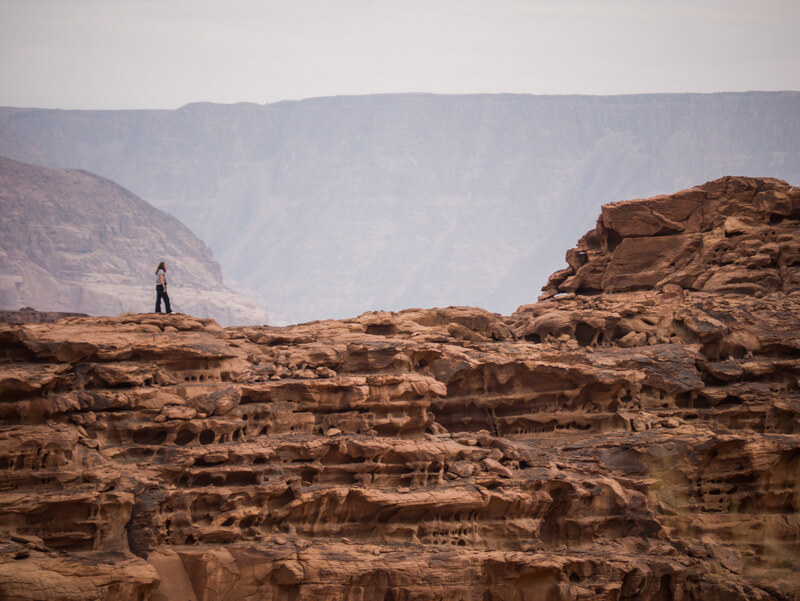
(161, 288)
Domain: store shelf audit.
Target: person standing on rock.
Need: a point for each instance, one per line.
(161, 288)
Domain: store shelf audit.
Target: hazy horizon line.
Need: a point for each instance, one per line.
(377, 94)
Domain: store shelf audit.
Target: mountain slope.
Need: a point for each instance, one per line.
(72, 241)
(331, 206)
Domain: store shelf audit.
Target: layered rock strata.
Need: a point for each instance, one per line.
(735, 235)
(631, 437)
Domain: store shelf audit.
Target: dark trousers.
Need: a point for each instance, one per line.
(161, 293)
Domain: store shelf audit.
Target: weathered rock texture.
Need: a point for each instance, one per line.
(72, 241)
(635, 438)
(729, 235)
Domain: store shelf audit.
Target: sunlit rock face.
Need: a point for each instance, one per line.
(734, 234)
(329, 207)
(72, 241)
(634, 436)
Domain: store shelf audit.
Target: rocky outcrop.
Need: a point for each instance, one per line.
(72, 241)
(633, 444)
(730, 235)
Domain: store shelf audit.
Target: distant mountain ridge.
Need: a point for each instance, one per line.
(73, 241)
(328, 207)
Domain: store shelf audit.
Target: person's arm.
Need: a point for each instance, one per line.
(161, 277)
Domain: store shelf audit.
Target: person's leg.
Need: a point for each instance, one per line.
(166, 302)
(159, 293)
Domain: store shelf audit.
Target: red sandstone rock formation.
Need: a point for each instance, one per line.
(729, 235)
(634, 438)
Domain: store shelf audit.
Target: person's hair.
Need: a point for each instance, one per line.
(161, 266)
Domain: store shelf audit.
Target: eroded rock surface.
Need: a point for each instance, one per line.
(730, 235)
(634, 438)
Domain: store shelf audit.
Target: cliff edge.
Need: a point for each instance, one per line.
(634, 436)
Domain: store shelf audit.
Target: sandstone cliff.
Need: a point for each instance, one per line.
(72, 241)
(329, 207)
(634, 437)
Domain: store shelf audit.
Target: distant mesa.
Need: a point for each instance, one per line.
(329, 207)
(74, 242)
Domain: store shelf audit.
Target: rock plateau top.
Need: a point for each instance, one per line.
(632, 436)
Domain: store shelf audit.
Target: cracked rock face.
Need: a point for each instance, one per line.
(635, 435)
(730, 235)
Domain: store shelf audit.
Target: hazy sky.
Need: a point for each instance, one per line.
(164, 53)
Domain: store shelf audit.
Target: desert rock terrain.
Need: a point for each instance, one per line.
(632, 436)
